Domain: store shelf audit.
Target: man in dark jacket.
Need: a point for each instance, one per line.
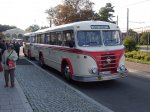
(2, 47)
(17, 48)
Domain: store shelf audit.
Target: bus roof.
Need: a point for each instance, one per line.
(82, 25)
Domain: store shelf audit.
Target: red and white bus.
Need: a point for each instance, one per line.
(82, 51)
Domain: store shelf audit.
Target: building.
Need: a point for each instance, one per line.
(13, 34)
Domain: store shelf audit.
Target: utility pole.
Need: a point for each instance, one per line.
(127, 21)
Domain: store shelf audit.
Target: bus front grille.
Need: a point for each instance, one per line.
(108, 62)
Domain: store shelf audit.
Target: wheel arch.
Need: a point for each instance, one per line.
(65, 62)
(41, 58)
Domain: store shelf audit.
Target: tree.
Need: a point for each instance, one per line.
(96, 16)
(1, 35)
(105, 13)
(5, 27)
(144, 38)
(44, 27)
(133, 34)
(32, 28)
(50, 13)
(72, 11)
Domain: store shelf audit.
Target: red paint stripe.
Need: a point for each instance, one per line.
(94, 54)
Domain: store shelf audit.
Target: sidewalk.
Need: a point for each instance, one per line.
(138, 68)
(12, 99)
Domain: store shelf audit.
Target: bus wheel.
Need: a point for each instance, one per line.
(66, 73)
(29, 54)
(24, 52)
(41, 61)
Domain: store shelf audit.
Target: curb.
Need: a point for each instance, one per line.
(139, 73)
(23, 98)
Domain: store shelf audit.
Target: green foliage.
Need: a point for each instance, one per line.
(32, 28)
(138, 56)
(138, 61)
(130, 44)
(44, 27)
(106, 12)
(144, 38)
(6, 27)
(1, 35)
(71, 11)
(50, 13)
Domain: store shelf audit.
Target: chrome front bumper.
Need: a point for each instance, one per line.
(98, 77)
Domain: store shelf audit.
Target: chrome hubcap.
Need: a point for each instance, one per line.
(67, 72)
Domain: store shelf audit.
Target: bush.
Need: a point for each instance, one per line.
(138, 56)
(147, 58)
(130, 44)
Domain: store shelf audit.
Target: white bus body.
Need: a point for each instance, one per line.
(82, 51)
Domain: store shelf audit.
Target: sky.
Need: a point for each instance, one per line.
(23, 13)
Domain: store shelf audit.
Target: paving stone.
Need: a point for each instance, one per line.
(47, 94)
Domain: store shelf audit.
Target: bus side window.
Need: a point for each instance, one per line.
(49, 40)
(53, 40)
(59, 38)
(46, 39)
(42, 39)
(38, 38)
(68, 38)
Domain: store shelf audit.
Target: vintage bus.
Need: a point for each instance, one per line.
(82, 51)
(28, 44)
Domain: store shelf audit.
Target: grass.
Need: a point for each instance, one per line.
(138, 61)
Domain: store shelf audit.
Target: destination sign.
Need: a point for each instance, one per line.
(100, 27)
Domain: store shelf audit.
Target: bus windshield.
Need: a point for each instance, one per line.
(89, 38)
(111, 38)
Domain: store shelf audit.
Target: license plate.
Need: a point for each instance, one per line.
(104, 73)
(99, 78)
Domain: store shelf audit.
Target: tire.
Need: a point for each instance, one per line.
(41, 61)
(29, 54)
(66, 73)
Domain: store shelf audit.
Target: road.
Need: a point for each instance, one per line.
(129, 94)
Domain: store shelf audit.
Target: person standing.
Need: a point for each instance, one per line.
(9, 58)
(2, 48)
(17, 48)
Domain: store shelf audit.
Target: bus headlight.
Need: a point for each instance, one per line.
(122, 69)
(93, 70)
